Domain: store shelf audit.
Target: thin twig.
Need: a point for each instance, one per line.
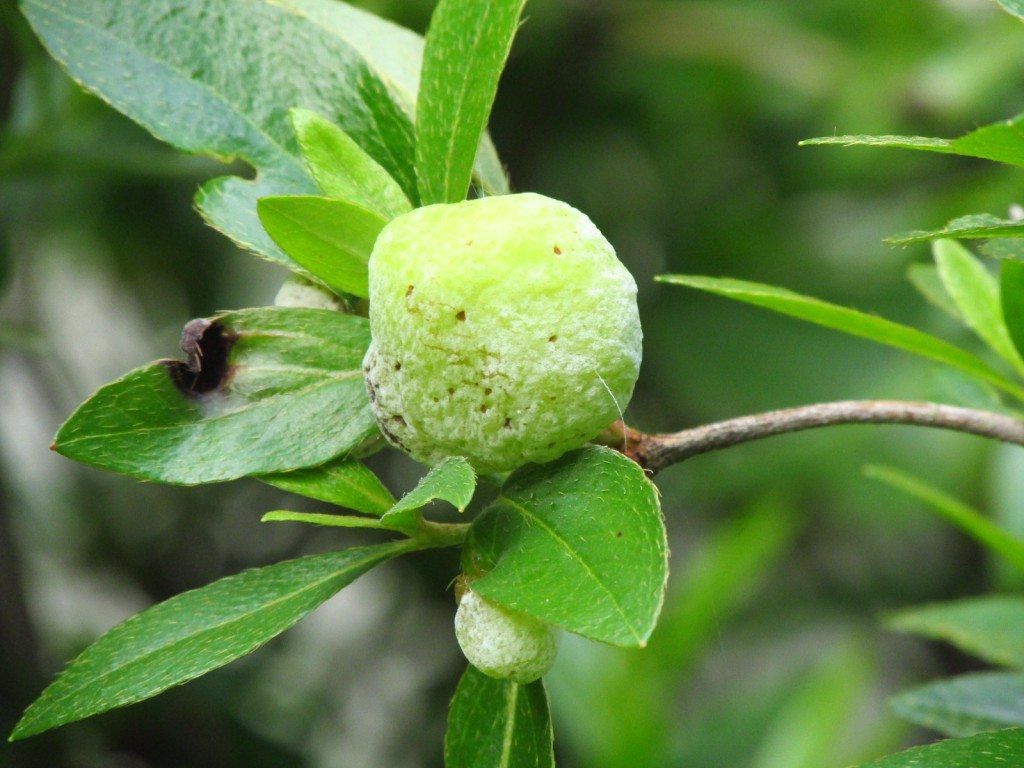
(655, 452)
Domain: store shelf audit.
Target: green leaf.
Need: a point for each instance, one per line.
(193, 633)
(965, 705)
(975, 226)
(990, 627)
(925, 278)
(453, 480)
(578, 543)
(291, 395)
(342, 169)
(967, 519)
(1011, 296)
(466, 48)
(218, 77)
(1002, 142)
(316, 518)
(1016, 7)
(997, 749)
(976, 293)
(849, 321)
(330, 239)
(498, 724)
(345, 482)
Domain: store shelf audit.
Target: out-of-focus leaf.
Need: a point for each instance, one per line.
(342, 169)
(965, 705)
(345, 482)
(1002, 142)
(498, 724)
(318, 518)
(579, 543)
(287, 392)
(1016, 7)
(453, 480)
(466, 48)
(974, 226)
(193, 633)
(1011, 296)
(849, 321)
(996, 749)
(976, 292)
(964, 517)
(991, 627)
(925, 278)
(330, 239)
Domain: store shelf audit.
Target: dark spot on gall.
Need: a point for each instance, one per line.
(461, 315)
(398, 419)
(553, 337)
(558, 251)
(451, 390)
(398, 366)
(484, 407)
(618, 534)
(409, 290)
(508, 423)
(488, 391)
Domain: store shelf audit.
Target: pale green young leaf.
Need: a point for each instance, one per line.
(964, 517)
(466, 47)
(330, 239)
(976, 293)
(990, 627)
(973, 227)
(342, 169)
(344, 482)
(498, 724)
(319, 518)
(453, 480)
(849, 321)
(287, 371)
(193, 633)
(1011, 296)
(965, 705)
(925, 278)
(578, 543)
(1002, 142)
(995, 749)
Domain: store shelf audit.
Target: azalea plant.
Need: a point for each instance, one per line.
(492, 336)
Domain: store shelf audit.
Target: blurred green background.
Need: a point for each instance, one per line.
(674, 125)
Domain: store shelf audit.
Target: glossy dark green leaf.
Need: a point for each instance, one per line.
(964, 517)
(193, 633)
(293, 397)
(578, 543)
(498, 724)
(997, 749)
(330, 239)
(975, 291)
(466, 48)
(345, 482)
(991, 627)
(218, 77)
(453, 480)
(849, 321)
(974, 226)
(1002, 142)
(965, 705)
(1011, 297)
(342, 169)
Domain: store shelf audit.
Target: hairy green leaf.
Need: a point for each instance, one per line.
(973, 227)
(578, 543)
(849, 321)
(996, 749)
(466, 48)
(1002, 142)
(453, 480)
(288, 393)
(342, 169)
(967, 519)
(345, 482)
(330, 239)
(218, 77)
(976, 292)
(990, 627)
(193, 633)
(498, 724)
(965, 705)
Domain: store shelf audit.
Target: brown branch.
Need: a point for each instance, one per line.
(655, 452)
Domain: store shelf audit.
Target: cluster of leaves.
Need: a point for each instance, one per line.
(348, 121)
(984, 711)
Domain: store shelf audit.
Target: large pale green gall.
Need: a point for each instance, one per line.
(504, 330)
